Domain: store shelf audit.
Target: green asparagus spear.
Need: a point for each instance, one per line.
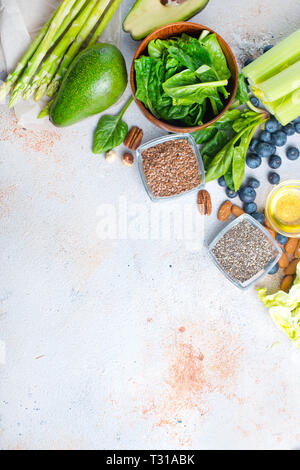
(41, 51)
(74, 49)
(13, 77)
(46, 110)
(49, 67)
(106, 19)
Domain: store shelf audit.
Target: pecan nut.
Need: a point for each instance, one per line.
(204, 202)
(134, 138)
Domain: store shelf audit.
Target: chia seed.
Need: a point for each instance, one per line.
(244, 251)
(171, 168)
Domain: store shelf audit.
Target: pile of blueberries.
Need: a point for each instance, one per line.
(264, 146)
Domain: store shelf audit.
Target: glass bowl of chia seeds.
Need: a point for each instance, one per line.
(244, 251)
(171, 166)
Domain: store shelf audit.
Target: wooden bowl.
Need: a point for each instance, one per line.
(193, 29)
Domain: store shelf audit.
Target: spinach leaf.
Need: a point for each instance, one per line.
(246, 119)
(189, 52)
(156, 48)
(226, 121)
(205, 135)
(242, 92)
(229, 179)
(221, 163)
(219, 61)
(206, 161)
(239, 159)
(111, 131)
(149, 76)
(195, 116)
(212, 147)
(184, 86)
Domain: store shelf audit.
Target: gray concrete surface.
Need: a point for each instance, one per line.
(128, 343)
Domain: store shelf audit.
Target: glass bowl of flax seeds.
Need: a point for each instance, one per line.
(171, 166)
(244, 251)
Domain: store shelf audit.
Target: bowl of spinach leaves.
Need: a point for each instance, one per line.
(184, 77)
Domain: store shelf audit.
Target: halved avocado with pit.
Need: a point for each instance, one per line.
(148, 15)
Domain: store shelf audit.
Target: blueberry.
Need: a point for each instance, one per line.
(253, 145)
(248, 61)
(272, 125)
(282, 240)
(253, 183)
(222, 182)
(247, 194)
(297, 120)
(274, 178)
(265, 150)
(230, 193)
(274, 270)
(297, 127)
(250, 207)
(255, 101)
(279, 139)
(289, 129)
(267, 48)
(266, 137)
(259, 217)
(275, 162)
(292, 153)
(253, 161)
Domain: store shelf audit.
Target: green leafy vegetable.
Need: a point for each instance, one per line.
(155, 49)
(284, 309)
(230, 160)
(111, 131)
(217, 55)
(215, 144)
(189, 52)
(185, 87)
(179, 80)
(242, 92)
(203, 136)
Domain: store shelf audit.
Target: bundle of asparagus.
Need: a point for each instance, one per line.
(44, 64)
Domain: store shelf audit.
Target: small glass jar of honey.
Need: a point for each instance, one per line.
(283, 208)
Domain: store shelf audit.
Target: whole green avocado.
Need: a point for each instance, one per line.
(96, 79)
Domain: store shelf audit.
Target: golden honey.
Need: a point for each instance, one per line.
(283, 208)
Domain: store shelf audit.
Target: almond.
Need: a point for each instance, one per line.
(204, 202)
(284, 261)
(237, 211)
(225, 211)
(291, 246)
(297, 251)
(292, 267)
(287, 283)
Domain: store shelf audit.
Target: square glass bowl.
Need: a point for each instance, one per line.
(262, 273)
(161, 140)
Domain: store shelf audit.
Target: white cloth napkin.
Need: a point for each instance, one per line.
(20, 21)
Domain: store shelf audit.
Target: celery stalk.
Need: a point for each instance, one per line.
(288, 108)
(280, 85)
(275, 60)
